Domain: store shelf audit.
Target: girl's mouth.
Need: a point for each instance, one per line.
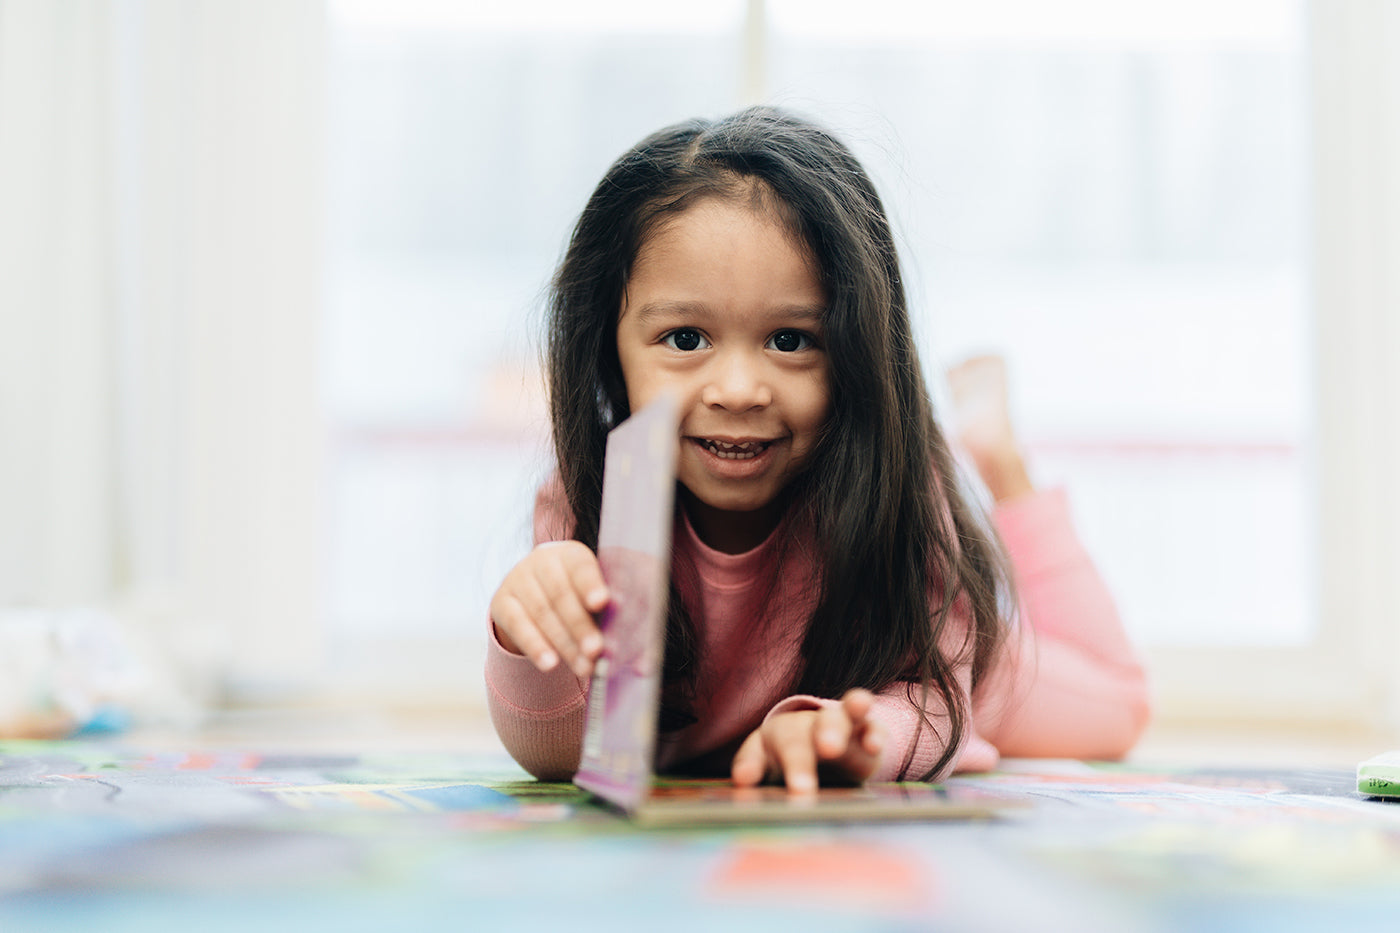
(727, 451)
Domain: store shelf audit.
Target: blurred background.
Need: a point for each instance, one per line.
(271, 278)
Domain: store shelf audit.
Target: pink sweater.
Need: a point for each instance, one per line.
(1067, 685)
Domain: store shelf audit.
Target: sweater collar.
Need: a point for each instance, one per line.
(717, 568)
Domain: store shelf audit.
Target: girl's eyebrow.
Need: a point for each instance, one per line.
(811, 315)
(664, 308)
(808, 314)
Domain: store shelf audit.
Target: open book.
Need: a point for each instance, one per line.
(634, 549)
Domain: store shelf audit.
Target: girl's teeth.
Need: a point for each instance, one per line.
(734, 451)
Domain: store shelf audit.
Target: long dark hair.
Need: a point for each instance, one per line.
(899, 544)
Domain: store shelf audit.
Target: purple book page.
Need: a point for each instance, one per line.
(634, 549)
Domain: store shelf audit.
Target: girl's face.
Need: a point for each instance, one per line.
(724, 311)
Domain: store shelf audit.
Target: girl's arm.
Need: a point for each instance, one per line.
(536, 696)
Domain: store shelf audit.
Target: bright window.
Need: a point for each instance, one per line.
(1113, 196)
(1115, 202)
(465, 139)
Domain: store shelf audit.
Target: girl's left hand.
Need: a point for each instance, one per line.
(842, 739)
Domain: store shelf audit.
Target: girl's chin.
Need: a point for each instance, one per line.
(751, 505)
(730, 525)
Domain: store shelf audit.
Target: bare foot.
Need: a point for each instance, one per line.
(982, 425)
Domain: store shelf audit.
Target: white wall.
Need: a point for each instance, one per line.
(160, 234)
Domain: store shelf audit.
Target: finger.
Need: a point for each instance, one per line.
(574, 582)
(794, 749)
(869, 732)
(559, 624)
(872, 738)
(750, 764)
(832, 733)
(858, 702)
(513, 620)
(569, 619)
(497, 612)
(587, 576)
(588, 580)
(583, 567)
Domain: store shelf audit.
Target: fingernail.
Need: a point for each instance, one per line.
(830, 737)
(802, 783)
(548, 661)
(598, 597)
(591, 645)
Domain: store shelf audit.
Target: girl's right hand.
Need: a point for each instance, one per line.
(544, 608)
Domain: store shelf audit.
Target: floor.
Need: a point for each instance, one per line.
(345, 821)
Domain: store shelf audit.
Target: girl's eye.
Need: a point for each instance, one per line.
(790, 341)
(686, 339)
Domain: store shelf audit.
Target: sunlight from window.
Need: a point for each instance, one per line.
(1111, 195)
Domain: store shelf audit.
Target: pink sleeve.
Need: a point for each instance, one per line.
(1069, 684)
(538, 716)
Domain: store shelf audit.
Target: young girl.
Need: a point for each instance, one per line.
(840, 610)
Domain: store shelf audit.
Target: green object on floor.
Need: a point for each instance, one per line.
(1379, 776)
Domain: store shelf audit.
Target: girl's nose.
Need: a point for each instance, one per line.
(737, 383)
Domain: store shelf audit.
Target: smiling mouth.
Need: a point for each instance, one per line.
(727, 451)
